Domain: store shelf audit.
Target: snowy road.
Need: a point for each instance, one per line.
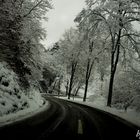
(70, 120)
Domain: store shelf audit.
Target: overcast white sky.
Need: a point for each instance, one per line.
(61, 18)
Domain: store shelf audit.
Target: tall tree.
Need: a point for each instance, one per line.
(70, 47)
(89, 67)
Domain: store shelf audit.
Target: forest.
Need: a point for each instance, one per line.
(103, 50)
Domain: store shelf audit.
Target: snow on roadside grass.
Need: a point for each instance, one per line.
(35, 99)
(130, 116)
(22, 114)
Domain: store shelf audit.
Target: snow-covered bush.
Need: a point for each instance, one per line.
(136, 103)
(125, 90)
(12, 99)
(34, 99)
(8, 80)
(97, 99)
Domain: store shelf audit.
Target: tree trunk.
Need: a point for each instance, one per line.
(85, 93)
(101, 87)
(88, 73)
(114, 62)
(59, 87)
(67, 88)
(110, 89)
(87, 77)
(77, 90)
(70, 86)
(89, 68)
(74, 64)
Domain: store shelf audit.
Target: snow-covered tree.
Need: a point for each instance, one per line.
(70, 52)
(20, 34)
(114, 19)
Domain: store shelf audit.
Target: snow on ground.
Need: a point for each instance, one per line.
(100, 103)
(96, 100)
(15, 103)
(22, 114)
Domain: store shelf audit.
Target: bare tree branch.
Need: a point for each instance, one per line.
(33, 8)
(130, 34)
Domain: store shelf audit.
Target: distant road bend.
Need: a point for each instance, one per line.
(67, 120)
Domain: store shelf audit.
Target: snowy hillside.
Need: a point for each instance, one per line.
(12, 99)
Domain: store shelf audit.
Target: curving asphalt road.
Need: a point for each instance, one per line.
(67, 120)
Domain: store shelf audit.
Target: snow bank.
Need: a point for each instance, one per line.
(22, 114)
(35, 100)
(131, 115)
(13, 101)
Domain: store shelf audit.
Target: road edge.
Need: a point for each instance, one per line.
(12, 119)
